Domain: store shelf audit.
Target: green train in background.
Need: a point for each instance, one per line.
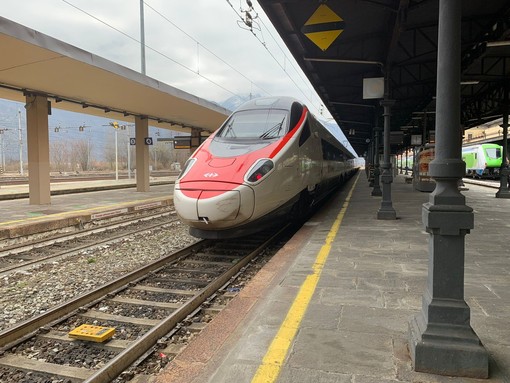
(482, 160)
(401, 162)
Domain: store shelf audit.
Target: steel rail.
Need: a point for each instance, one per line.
(30, 326)
(44, 242)
(139, 347)
(24, 265)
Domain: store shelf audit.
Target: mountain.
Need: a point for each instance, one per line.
(64, 127)
(235, 102)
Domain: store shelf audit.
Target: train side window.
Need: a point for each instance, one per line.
(296, 110)
(330, 152)
(305, 133)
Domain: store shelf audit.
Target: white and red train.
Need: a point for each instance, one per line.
(270, 161)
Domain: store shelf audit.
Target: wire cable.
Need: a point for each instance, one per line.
(264, 44)
(204, 47)
(149, 47)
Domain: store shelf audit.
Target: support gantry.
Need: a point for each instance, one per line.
(441, 338)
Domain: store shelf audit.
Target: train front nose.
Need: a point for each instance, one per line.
(216, 206)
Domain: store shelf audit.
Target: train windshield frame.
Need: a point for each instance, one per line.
(255, 124)
(493, 153)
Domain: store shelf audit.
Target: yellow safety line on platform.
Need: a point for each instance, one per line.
(66, 213)
(272, 363)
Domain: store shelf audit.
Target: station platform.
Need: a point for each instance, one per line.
(77, 203)
(333, 305)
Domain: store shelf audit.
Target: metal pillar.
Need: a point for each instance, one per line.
(441, 338)
(503, 191)
(142, 154)
(142, 37)
(368, 163)
(386, 210)
(401, 170)
(407, 154)
(376, 191)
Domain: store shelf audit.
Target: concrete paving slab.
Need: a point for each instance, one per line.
(343, 352)
(234, 373)
(355, 329)
(374, 320)
(303, 375)
(322, 316)
(341, 297)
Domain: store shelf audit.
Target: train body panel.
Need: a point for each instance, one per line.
(483, 160)
(256, 167)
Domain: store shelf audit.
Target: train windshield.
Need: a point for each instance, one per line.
(493, 153)
(256, 124)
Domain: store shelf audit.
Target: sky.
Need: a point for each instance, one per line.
(199, 46)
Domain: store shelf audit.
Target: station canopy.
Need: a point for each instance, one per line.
(79, 81)
(340, 44)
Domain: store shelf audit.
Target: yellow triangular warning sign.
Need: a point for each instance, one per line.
(323, 39)
(322, 15)
(323, 27)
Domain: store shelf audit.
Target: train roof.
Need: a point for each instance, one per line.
(282, 102)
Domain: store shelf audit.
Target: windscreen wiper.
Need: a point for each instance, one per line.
(274, 131)
(229, 130)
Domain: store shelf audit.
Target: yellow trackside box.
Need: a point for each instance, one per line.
(92, 333)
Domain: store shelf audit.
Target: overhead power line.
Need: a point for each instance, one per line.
(251, 23)
(204, 47)
(149, 47)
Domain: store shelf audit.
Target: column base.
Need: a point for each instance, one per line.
(387, 214)
(377, 191)
(444, 349)
(502, 193)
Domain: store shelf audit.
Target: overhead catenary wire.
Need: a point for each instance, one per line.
(284, 54)
(199, 44)
(149, 47)
(264, 44)
(204, 47)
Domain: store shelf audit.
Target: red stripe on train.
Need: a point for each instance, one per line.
(289, 135)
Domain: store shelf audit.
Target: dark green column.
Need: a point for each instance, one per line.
(503, 191)
(441, 338)
(386, 211)
(376, 191)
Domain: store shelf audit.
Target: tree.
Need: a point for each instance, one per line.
(81, 153)
(59, 155)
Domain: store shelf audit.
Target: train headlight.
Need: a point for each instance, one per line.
(187, 166)
(259, 170)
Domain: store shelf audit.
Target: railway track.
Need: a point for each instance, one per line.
(144, 306)
(494, 184)
(20, 180)
(25, 254)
